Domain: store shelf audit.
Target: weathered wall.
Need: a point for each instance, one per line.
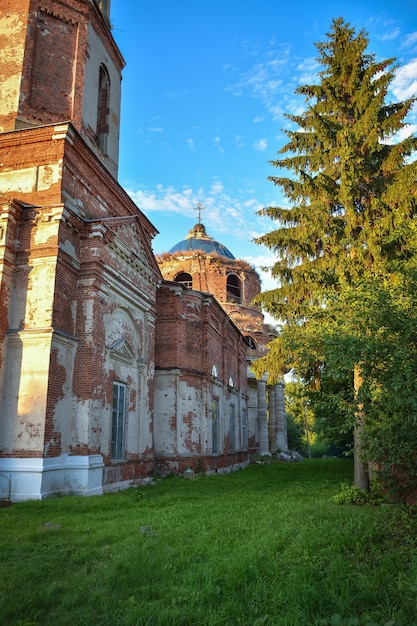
(13, 24)
(199, 356)
(210, 273)
(49, 69)
(79, 281)
(100, 52)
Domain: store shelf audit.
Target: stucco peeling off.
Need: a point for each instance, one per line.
(39, 296)
(9, 96)
(47, 228)
(21, 181)
(49, 175)
(64, 349)
(88, 311)
(86, 413)
(31, 179)
(12, 52)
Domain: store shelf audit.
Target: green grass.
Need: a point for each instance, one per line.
(266, 545)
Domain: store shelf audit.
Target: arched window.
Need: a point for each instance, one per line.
(185, 279)
(102, 130)
(251, 342)
(233, 289)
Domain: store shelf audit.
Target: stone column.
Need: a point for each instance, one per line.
(272, 418)
(281, 439)
(263, 424)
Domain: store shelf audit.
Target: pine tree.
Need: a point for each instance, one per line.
(353, 189)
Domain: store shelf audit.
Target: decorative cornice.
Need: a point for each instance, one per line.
(59, 16)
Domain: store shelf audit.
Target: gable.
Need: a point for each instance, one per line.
(122, 351)
(130, 242)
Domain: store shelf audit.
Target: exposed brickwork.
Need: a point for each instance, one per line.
(200, 355)
(209, 274)
(203, 464)
(51, 61)
(84, 309)
(85, 228)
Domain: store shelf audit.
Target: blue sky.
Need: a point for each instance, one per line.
(204, 94)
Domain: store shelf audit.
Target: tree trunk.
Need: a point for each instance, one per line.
(360, 469)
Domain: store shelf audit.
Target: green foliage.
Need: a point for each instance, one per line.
(373, 324)
(352, 190)
(295, 434)
(300, 417)
(391, 443)
(345, 243)
(350, 494)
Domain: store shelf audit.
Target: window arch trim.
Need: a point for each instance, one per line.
(103, 110)
(185, 279)
(233, 289)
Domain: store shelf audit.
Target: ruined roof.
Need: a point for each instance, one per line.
(198, 240)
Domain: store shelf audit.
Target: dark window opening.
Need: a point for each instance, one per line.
(233, 289)
(251, 342)
(103, 109)
(184, 279)
(118, 421)
(215, 425)
(232, 427)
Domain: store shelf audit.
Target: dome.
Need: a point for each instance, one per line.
(197, 239)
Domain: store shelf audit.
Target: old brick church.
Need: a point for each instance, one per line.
(114, 364)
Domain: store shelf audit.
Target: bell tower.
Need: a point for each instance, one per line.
(60, 63)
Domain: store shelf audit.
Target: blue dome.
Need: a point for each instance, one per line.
(198, 240)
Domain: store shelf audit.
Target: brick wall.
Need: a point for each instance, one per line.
(210, 273)
(200, 355)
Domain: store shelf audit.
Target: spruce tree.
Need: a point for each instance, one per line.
(348, 178)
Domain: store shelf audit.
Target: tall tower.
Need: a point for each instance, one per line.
(78, 278)
(60, 63)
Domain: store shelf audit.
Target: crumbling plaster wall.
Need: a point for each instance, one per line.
(200, 356)
(209, 273)
(68, 266)
(13, 24)
(98, 55)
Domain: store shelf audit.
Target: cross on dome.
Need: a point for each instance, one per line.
(200, 207)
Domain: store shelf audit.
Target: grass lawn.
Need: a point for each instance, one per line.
(263, 546)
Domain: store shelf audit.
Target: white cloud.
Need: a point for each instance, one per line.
(216, 142)
(265, 80)
(261, 145)
(404, 133)
(222, 214)
(164, 199)
(409, 41)
(262, 264)
(308, 69)
(404, 84)
(389, 35)
(216, 187)
(155, 129)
